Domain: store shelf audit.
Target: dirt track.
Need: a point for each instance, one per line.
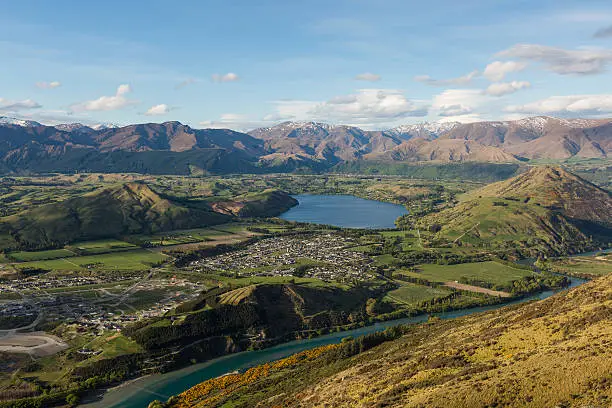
(472, 288)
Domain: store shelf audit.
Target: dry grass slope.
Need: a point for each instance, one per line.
(557, 352)
(552, 353)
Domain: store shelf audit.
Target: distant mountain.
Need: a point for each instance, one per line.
(446, 151)
(152, 148)
(4, 120)
(320, 141)
(544, 210)
(541, 137)
(425, 130)
(171, 147)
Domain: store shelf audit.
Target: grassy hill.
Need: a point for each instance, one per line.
(109, 212)
(544, 210)
(555, 352)
(275, 310)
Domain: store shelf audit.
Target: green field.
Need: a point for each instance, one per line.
(586, 266)
(492, 272)
(113, 345)
(195, 235)
(100, 246)
(412, 294)
(25, 256)
(138, 259)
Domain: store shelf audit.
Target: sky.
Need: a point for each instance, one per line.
(247, 64)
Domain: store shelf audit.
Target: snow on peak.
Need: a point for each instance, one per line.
(104, 126)
(423, 129)
(72, 127)
(4, 120)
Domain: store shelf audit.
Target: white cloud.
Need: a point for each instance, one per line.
(462, 80)
(291, 110)
(368, 76)
(506, 88)
(605, 32)
(564, 105)
(229, 77)
(158, 110)
(14, 106)
(459, 104)
(497, 71)
(186, 82)
(107, 103)
(367, 106)
(48, 85)
(233, 121)
(561, 61)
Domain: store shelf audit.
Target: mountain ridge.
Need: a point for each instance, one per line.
(30, 146)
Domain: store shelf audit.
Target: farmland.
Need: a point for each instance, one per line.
(493, 272)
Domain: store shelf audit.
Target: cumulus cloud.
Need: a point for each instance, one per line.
(562, 61)
(48, 85)
(233, 121)
(229, 77)
(367, 106)
(158, 110)
(368, 76)
(291, 110)
(506, 88)
(462, 80)
(454, 110)
(605, 32)
(459, 104)
(15, 106)
(107, 103)
(565, 105)
(497, 71)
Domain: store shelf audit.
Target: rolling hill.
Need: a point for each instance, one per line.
(109, 212)
(130, 208)
(544, 210)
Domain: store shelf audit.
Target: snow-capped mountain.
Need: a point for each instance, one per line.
(74, 127)
(104, 126)
(425, 130)
(4, 120)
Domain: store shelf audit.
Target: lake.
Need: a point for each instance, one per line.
(139, 393)
(344, 211)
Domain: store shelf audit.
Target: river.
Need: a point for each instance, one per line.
(140, 392)
(344, 211)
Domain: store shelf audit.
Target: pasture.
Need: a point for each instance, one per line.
(492, 272)
(412, 294)
(129, 260)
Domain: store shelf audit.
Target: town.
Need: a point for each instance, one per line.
(324, 256)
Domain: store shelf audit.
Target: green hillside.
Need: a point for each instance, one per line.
(544, 210)
(131, 208)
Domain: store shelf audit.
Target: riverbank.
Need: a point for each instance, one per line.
(140, 392)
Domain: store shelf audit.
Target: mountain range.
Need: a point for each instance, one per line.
(174, 148)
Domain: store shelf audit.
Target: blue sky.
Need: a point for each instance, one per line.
(245, 64)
